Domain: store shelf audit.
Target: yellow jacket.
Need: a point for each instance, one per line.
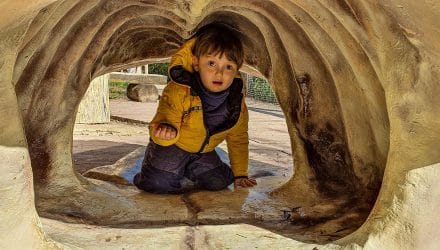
(181, 107)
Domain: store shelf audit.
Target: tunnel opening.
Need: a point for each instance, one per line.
(114, 152)
(312, 198)
(130, 118)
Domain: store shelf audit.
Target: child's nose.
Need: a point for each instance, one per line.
(219, 72)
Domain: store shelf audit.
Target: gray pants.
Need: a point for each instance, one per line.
(173, 170)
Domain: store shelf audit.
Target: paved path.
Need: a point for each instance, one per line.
(136, 111)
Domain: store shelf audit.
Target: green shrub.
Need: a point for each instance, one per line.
(260, 90)
(158, 69)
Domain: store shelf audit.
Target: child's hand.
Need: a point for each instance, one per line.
(163, 131)
(245, 182)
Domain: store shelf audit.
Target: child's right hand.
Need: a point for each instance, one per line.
(163, 131)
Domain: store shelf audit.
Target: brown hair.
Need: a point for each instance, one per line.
(217, 38)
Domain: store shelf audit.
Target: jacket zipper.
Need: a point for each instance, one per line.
(206, 140)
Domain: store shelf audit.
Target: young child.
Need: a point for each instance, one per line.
(200, 107)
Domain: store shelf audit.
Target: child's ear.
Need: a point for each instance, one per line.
(195, 62)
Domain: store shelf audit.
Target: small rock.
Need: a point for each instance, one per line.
(142, 93)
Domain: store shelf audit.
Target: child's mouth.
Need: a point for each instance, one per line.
(217, 83)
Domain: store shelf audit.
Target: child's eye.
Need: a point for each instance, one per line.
(229, 67)
(211, 63)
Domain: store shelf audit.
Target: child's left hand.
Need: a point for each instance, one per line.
(245, 182)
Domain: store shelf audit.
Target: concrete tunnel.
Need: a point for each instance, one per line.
(356, 81)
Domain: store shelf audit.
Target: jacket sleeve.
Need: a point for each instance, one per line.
(238, 144)
(180, 68)
(169, 111)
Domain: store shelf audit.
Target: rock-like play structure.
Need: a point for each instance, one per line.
(358, 82)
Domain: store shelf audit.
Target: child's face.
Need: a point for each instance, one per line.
(216, 73)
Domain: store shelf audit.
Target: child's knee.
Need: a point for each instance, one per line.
(216, 183)
(159, 182)
(215, 179)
